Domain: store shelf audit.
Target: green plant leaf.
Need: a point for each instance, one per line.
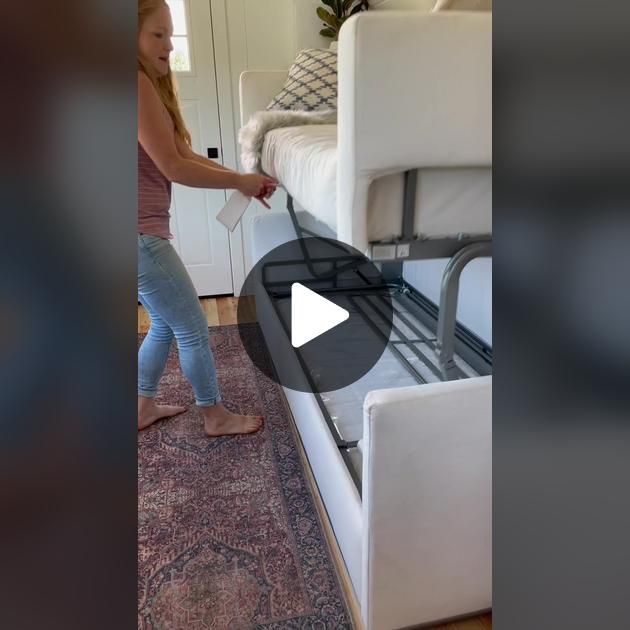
(326, 17)
(328, 32)
(357, 9)
(335, 5)
(346, 5)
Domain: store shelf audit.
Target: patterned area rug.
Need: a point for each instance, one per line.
(228, 533)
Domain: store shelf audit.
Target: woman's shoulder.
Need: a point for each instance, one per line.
(143, 81)
(146, 89)
(148, 93)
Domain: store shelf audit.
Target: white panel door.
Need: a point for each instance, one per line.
(201, 241)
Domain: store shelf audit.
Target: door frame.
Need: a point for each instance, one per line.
(227, 124)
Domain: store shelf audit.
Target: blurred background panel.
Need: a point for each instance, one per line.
(561, 264)
(68, 315)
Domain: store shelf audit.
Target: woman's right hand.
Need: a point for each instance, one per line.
(254, 185)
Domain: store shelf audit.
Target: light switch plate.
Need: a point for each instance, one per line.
(383, 252)
(402, 251)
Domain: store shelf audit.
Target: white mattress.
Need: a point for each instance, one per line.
(449, 202)
(304, 160)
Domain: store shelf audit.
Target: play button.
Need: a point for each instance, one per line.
(312, 315)
(324, 311)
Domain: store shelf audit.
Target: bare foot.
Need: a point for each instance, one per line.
(219, 421)
(149, 412)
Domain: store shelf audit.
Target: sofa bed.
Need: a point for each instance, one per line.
(402, 458)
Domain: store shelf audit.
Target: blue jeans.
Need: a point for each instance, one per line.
(167, 293)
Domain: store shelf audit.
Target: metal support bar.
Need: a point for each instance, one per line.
(447, 314)
(422, 248)
(474, 351)
(409, 204)
(356, 261)
(408, 342)
(401, 357)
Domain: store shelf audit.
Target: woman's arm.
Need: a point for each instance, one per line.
(186, 152)
(157, 138)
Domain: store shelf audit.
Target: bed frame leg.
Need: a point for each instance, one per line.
(447, 315)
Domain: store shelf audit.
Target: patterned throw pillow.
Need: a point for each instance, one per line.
(311, 84)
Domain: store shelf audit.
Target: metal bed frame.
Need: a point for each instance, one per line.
(450, 337)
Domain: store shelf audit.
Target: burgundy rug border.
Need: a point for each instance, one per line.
(299, 448)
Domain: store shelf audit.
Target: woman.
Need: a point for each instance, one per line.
(164, 287)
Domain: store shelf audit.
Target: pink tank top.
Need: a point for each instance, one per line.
(154, 198)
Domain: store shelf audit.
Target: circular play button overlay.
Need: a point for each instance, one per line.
(325, 314)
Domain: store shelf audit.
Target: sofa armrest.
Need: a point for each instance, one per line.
(415, 91)
(427, 491)
(257, 88)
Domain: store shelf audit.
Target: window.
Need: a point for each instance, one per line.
(180, 57)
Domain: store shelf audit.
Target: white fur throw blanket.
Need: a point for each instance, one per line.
(252, 135)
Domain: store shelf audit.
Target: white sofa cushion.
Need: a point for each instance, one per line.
(427, 503)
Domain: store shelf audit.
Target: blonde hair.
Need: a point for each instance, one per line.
(165, 85)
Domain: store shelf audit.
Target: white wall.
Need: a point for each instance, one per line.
(306, 25)
(259, 37)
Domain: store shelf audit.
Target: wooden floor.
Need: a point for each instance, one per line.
(219, 312)
(222, 312)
